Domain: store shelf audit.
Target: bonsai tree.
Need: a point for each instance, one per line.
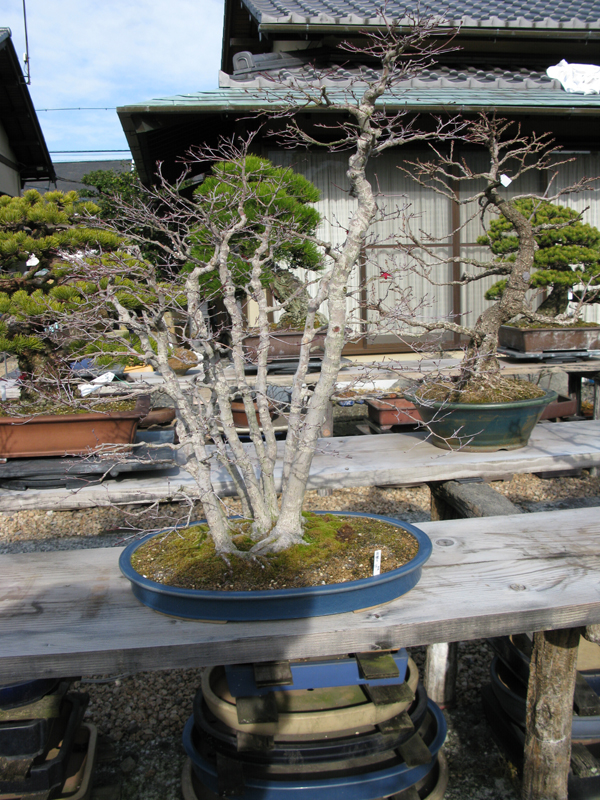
(567, 258)
(511, 156)
(292, 198)
(38, 236)
(230, 240)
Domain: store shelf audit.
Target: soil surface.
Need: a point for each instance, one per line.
(334, 550)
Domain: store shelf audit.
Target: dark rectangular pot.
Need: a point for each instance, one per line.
(69, 434)
(540, 340)
(284, 345)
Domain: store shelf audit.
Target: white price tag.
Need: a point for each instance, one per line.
(377, 562)
(505, 180)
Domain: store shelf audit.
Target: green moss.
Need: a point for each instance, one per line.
(334, 549)
(45, 406)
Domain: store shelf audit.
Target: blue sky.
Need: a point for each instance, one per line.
(108, 53)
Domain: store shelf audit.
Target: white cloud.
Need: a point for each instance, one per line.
(90, 54)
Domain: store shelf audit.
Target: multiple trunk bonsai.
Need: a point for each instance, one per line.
(236, 240)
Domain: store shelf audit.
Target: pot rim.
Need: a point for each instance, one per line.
(589, 326)
(423, 553)
(549, 396)
(140, 410)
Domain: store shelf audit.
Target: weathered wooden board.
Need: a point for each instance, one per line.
(70, 612)
(394, 459)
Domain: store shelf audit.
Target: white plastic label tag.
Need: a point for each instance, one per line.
(505, 180)
(377, 562)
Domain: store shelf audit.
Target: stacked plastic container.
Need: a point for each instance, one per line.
(357, 727)
(46, 752)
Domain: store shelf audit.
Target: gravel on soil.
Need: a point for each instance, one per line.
(141, 717)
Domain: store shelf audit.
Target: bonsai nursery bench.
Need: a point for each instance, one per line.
(397, 459)
(71, 612)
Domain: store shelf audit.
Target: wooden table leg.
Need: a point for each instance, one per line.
(574, 388)
(549, 714)
(440, 673)
(596, 415)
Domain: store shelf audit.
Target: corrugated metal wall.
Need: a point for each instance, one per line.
(390, 280)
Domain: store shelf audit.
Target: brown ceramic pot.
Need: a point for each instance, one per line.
(240, 418)
(69, 434)
(284, 345)
(393, 411)
(544, 340)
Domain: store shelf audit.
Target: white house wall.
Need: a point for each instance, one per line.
(429, 213)
(10, 180)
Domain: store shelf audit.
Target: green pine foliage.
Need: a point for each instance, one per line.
(37, 285)
(276, 191)
(566, 258)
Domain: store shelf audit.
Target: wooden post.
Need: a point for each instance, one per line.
(457, 500)
(596, 414)
(441, 666)
(549, 714)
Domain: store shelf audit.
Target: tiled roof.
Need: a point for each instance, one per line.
(452, 100)
(341, 76)
(543, 14)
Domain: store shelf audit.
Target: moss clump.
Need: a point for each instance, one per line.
(335, 549)
(488, 389)
(525, 324)
(45, 406)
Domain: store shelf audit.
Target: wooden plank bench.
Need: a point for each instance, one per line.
(70, 612)
(397, 459)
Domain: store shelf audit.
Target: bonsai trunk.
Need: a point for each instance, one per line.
(481, 354)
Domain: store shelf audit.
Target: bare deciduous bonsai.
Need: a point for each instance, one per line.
(177, 288)
(512, 156)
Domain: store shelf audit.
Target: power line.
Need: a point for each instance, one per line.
(89, 151)
(81, 108)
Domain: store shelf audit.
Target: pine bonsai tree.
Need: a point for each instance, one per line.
(567, 259)
(291, 197)
(38, 233)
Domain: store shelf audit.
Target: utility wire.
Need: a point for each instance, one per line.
(89, 151)
(26, 56)
(81, 108)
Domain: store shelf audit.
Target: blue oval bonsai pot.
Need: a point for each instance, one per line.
(362, 786)
(310, 601)
(481, 427)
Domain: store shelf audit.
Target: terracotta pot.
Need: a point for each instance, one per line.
(284, 345)
(544, 340)
(158, 416)
(240, 418)
(69, 434)
(393, 411)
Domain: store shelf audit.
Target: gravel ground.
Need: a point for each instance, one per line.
(141, 717)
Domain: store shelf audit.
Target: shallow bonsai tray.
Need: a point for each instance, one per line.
(559, 356)
(269, 604)
(311, 674)
(561, 407)
(384, 776)
(73, 473)
(547, 340)
(309, 749)
(392, 411)
(69, 434)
